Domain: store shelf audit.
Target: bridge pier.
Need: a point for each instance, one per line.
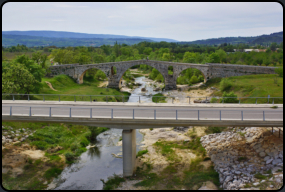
(129, 151)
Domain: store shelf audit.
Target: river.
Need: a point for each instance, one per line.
(98, 162)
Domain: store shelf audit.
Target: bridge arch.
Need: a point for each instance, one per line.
(81, 75)
(203, 70)
(122, 70)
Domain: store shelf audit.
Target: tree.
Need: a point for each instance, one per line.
(147, 50)
(37, 71)
(166, 57)
(100, 75)
(214, 58)
(17, 79)
(189, 57)
(222, 55)
(194, 79)
(273, 46)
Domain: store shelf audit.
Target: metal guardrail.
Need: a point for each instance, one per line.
(106, 97)
(152, 114)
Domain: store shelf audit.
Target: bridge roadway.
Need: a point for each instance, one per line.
(133, 116)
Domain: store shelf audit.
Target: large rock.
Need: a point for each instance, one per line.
(267, 158)
(269, 161)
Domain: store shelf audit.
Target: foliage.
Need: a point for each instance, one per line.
(225, 84)
(211, 129)
(214, 100)
(141, 153)
(230, 100)
(159, 98)
(259, 176)
(279, 71)
(113, 182)
(17, 79)
(52, 172)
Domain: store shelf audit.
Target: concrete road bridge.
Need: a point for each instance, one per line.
(135, 116)
(209, 70)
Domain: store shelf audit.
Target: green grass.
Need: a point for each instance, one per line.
(66, 85)
(260, 85)
(159, 98)
(113, 182)
(259, 176)
(52, 172)
(211, 130)
(141, 153)
(166, 148)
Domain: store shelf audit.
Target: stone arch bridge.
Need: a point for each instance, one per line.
(209, 70)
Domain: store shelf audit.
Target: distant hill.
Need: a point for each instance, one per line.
(30, 41)
(262, 40)
(64, 34)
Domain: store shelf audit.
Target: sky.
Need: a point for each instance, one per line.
(182, 21)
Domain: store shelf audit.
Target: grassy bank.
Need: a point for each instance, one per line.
(251, 86)
(62, 144)
(63, 84)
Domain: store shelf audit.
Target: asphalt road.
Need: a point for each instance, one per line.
(151, 112)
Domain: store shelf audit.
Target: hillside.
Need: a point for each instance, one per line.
(64, 34)
(30, 41)
(262, 39)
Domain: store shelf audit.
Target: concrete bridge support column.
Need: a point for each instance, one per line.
(129, 151)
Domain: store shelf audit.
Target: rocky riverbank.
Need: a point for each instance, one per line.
(246, 158)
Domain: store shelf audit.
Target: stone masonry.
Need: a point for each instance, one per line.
(209, 70)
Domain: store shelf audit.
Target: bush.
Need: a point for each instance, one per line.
(201, 78)
(214, 100)
(230, 100)
(159, 98)
(52, 172)
(211, 130)
(74, 146)
(225, 84)
(69, 156)
(194, 79)
(279, 71)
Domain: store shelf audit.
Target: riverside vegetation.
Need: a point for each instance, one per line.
(32, 156)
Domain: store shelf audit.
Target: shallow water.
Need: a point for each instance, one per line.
(98, 163)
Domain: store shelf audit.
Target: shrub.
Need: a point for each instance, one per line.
(233, 98)
(52, 172)
(74, 146)
(211, 130)
(279, 71)
(225, 84)
(194, 79)
(69, 156)
(201, 78)
(214, 100)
